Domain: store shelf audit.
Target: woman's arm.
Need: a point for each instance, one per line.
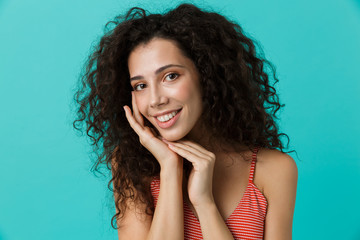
(212, 223)
(200, 189)
(134, 220)
(168, 220)
(277, 174)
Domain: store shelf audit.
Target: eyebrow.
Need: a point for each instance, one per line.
(157, 71)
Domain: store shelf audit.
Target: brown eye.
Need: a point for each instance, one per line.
(171, 76)
(139, 87)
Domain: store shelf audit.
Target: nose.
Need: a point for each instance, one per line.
(157, 97)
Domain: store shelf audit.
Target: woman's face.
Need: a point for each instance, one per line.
(166, 87)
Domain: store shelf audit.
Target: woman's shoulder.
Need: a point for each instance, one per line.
(273, 158)
(274, 169)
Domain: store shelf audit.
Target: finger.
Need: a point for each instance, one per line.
(144, 133)
(190, 149)
(185, 154)
(136, 111)
(196, 147)
(132, 121)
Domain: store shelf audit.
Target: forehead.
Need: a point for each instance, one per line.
(155, 54)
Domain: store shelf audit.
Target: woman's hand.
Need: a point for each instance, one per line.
(201, 175)
(150, 141)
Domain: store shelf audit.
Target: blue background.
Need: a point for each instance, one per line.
(46, 188)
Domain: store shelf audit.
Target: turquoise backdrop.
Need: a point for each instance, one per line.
(46, 188)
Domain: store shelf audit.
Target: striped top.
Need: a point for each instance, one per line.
(247, 220)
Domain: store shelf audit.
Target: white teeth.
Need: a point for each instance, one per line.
(167, 117)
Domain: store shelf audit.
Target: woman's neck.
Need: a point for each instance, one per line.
(203, 137)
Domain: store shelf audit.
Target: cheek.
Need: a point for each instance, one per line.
(141, 104)
(184, 92)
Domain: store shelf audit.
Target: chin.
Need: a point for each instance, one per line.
(173, 137)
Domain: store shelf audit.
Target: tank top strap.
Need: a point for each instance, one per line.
(253, 163)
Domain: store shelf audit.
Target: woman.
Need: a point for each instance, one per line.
(199, 116)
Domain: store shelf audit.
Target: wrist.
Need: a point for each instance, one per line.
(205, 205)
(206, 209)
(171, 172)
(172, 166)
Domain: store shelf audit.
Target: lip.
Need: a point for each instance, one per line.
(169, 123)
(166, 112)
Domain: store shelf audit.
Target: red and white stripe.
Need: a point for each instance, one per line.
(247, 220)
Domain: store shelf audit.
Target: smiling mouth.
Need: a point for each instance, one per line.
(167, 117)
(168, 120)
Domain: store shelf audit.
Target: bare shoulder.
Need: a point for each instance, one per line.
(273, 168)
(272, 158)
(134, 219)
(276, 174)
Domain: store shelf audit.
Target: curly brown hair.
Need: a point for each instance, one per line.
(239, 100)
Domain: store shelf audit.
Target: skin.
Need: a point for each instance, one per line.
(168, 82)
(160, 88)
(170, 89)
